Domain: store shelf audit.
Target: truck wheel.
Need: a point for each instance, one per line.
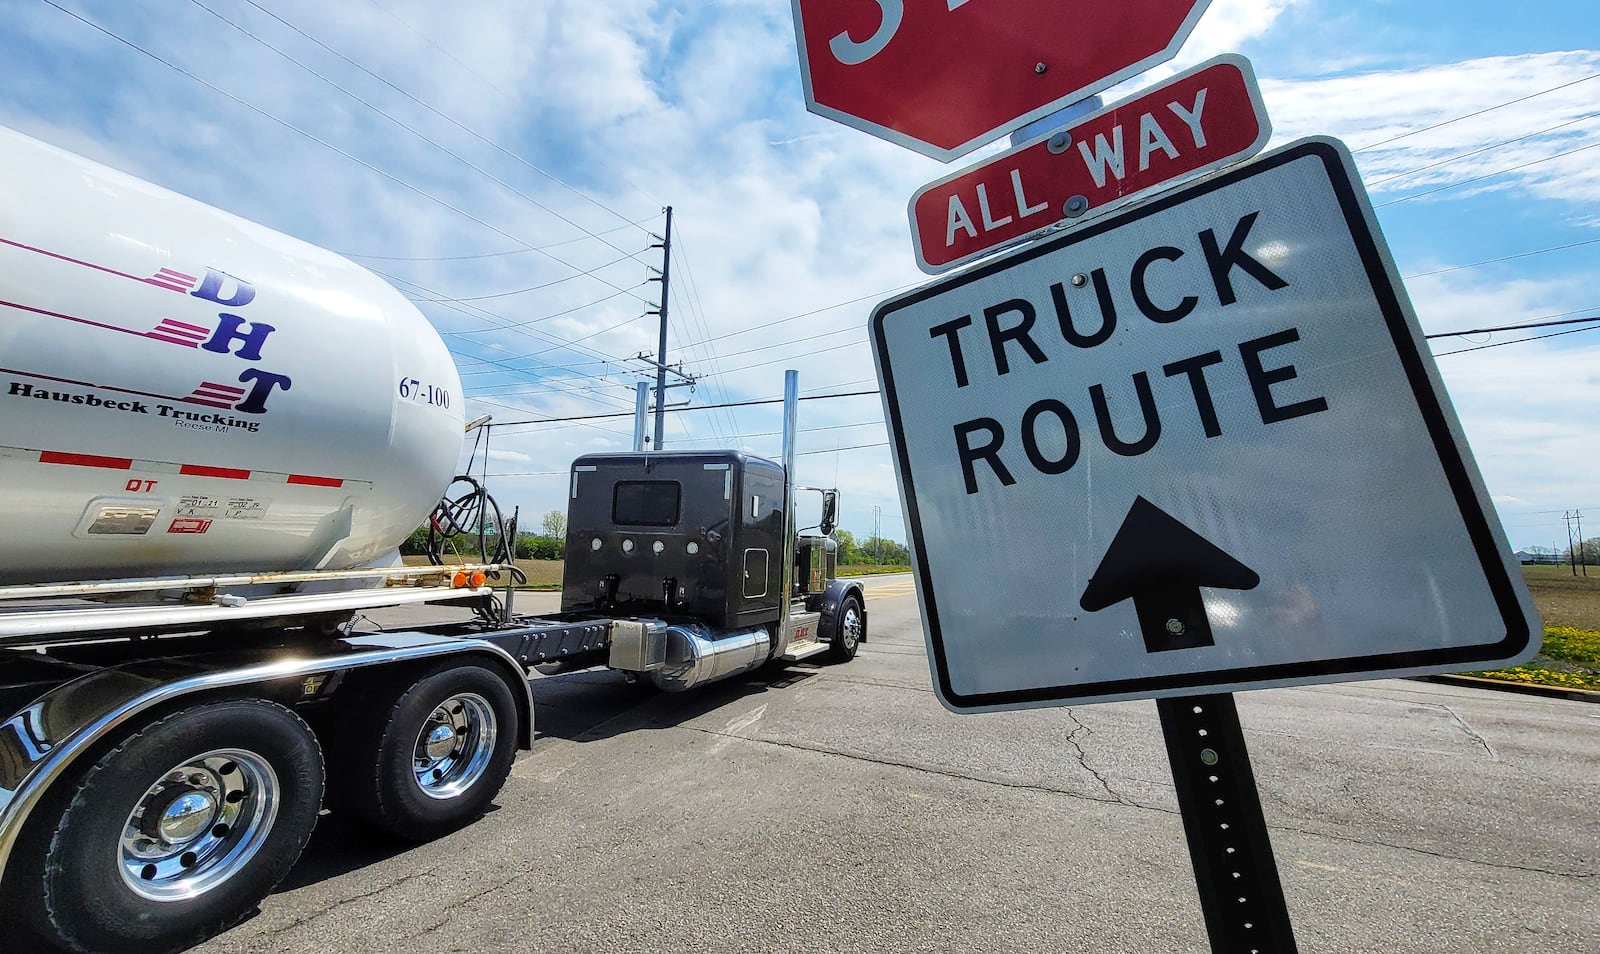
(847, 631)
(178, 832)
(434, 760)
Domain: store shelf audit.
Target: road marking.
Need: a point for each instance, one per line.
(745, 722)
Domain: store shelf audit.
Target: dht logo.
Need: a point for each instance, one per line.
(238, 337)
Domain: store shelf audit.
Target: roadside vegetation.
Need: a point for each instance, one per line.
(539, 554)
(1569, 603)
(1570, 606)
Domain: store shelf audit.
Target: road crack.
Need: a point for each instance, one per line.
(1472, 733)
(1111, 797)
(1083, 759)
(1444, 856)
(307, 919)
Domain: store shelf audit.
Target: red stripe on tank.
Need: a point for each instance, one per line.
(199, 470)
(85, 460)
(314, 481)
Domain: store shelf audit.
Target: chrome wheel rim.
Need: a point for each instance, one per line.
(850, 628)
(198, 825)
(454, 746)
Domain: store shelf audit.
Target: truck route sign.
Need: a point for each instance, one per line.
(1194, 446)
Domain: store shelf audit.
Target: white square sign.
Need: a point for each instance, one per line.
(1199, 446)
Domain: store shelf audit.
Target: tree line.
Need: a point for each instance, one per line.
(550, 544)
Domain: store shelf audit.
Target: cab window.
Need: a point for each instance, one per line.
(647, 503)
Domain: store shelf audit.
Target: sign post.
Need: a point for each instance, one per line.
(1205, 438)
(1161, 565)
(1234, 871)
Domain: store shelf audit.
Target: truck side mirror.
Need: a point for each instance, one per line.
(830, 511)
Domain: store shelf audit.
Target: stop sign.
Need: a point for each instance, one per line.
(943, 77)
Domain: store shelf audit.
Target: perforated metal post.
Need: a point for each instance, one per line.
(1240, 893)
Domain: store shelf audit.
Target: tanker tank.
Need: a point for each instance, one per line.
(186, 392)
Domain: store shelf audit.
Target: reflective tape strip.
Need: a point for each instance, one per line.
(196, 470)
(85, 460)
(186, 470)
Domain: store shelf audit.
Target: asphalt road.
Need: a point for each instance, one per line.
(840, 808)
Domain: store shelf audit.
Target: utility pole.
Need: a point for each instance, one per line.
(877, 534)
(661, 349)
(660, 362)
(1572, 551)
(1583, 554)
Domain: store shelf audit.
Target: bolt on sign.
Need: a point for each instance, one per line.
(943, 77)
(1196, 445)
(1196, 122)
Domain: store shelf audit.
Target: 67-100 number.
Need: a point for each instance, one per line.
(414, 390)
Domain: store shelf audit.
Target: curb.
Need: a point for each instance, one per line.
(1526, 688)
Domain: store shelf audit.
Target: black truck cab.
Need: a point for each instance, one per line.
(677, 533)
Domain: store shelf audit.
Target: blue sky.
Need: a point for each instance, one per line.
(411, 134)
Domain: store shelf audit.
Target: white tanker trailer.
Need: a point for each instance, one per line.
(184, 391)
(212, 439)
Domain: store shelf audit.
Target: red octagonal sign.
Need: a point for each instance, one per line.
(943, 77)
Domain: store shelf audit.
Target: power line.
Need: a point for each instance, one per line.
(803, 430)
(452, 121)
(621, 365)
(575, 422)
(1502, 344)
(514, 251)
(481, 313)
(802, 340)
(480, 77)
(1505, 258)
(1482, 149)
(1535, 324)
(762, 364)
(779, 344)
(810, 453)
(548, 284)
(288, 125)
(518, 325)
(715, 380)
(814, 311)
(1487, 109)
(700, 407)
(1487, 175)
(778, 360)
(836, 450)
(439, 146)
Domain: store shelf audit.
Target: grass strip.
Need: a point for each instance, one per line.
(1569, 659)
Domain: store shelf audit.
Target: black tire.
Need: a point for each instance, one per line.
(98, 881)
(846, 630)
(386, 785)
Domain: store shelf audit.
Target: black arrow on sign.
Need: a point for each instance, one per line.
(1160, 564)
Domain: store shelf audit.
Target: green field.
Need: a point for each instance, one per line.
(1570, 605)
(1565, 599)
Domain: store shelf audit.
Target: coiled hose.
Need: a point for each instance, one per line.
(469, 514)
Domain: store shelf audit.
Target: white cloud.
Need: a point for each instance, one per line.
(778, 214)
(1405, 128)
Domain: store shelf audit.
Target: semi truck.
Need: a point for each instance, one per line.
(213, 438)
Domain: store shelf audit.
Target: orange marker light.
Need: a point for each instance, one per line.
(478, 577)
(459, 580)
